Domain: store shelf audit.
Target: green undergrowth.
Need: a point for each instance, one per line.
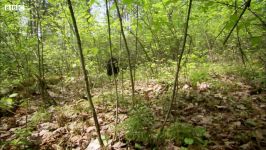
(21, 141)
(222, 78)
(194, 72)
(184, 134)
(42, 115)
(140, 127)
(216, 73)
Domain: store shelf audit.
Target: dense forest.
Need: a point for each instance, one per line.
(133, 74)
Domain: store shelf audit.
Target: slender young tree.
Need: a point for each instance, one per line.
(128, 52)
(38, 34)
(136, 39)
(243, 56)
(85, 73)
(247, 5)
(178, 67)
(111, 56)
(40, 53)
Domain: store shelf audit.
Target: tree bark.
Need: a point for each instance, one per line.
(111, 56)
(247, 5)
(178, 66)
(128, 53)
(239, 47)
(85, 74)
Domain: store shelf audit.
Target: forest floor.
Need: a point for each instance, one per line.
(232, 111)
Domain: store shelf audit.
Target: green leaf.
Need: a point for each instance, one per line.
(255, 41)
(74, 65)
(184, 148)
(91, 2)
(94, 51)
(250, 122)
(105, 139)
(188, 141)
(232, 21)
(166, 2)
(6, 103)
(13, 95)
(138, 146)
(153, 65)
(127, 2)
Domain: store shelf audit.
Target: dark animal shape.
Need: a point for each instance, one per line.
(112, 67)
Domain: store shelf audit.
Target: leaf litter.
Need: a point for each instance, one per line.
(233, 119)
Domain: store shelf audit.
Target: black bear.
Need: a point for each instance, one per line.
(112, 67)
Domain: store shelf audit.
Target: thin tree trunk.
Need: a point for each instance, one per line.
(142, 46)
(247, 5)
(178, 66)
(145, 52)
(41, 78)
(122, 72)
(243, 56)
(111, 56)
(85, 74)
(136, 43)
(263, 23)
(257, 16)
(209, 46)
(128, 53)
(42, 58)
(41, 87)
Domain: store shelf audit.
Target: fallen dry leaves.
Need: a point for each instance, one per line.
(234, 119)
